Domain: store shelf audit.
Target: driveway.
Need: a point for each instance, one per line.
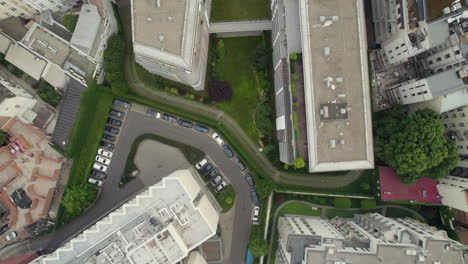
(137, 124)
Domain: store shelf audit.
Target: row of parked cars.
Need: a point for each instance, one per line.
(111, 131)
(211, 174)
(175, 120)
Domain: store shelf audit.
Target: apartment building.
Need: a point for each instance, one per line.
(456, 128)
(160, 225)
(421, 62)
(29, 8)
(170, 38)
(337, 125)
(453, 192)
(368, 238)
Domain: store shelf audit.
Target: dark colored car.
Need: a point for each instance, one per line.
(254, 196)
(185, 123)
(169, 118)
(228, 151)
(4, 228)
(239, 163)
(208, 167)
(121, 103)
(108, 137)
(212, 174)
(97, 175)
(107, 145)
(201, 128)
(116, 113)
(114, 122)
(111, 130)
(250, 179)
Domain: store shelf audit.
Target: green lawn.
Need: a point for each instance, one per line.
(299, 209)
(225, 10)
(242, 80)
(225, 198)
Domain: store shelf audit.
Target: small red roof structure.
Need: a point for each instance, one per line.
(391, 188)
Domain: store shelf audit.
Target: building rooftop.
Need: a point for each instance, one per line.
(336, 76)
(86, 28)
(26, 60)
(161, 225)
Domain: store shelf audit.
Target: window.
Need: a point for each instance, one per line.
(439, 59)
(413, 94)
(445, 125)
(452, 125)
(445, 116)
(13, 9)
(454, 115)
(447, 56)
(461, 124)
(463, 114)
(457, 52)
(431, 62)
(440, 70)
(2, 3)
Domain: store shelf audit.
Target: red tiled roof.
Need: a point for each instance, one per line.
(391, 188)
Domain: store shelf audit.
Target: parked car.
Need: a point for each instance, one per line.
(102, 160)
(95, 182)
(114, 122)
(254, 197)
(111, 130)
(216, 180)
(100, 167)
(212, 174)
(202, 129)
(185, 123)
(121, 103)
(221, 186)
(217, 138)
(250, 179)
(256, 214)
(116, 113)
(107, 145)
(239, 163)
(104, 153)
(4, 228)
(153, 113)
(169, 118)
(95, 174)
(228, 151)
(201, 163)
(108, 137)
(11, 236)
(208, 167)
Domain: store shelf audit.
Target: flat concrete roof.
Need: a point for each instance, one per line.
(335, 72)
(160, 27)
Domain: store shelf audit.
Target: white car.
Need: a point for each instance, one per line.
(104, 153)
(102, 160)
(158, 115)
(221, 186)
(200, 164)
(256, 214)
(99, 167)
(217, 138)
(95, 182)
(11, 236)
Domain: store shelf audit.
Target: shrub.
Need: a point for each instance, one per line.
(293, 56)
(47, 93)
(342, 202)
(258, 247)
(365, 186)
(368, 204)
(219, 91)
(263, 119)
(113, 66)
(78, 198)
(260, 57)
(299, 162)
(3, 137)
(181, 92)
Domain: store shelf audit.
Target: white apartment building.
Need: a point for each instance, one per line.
(456, 128)
(365, 239)
(170, 38)
(29, 8)
(453, 192)
(160, 225)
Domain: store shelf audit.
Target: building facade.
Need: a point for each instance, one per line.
(369, 238)
(456, 128)
(29, 8)
(170, 38)
(453, 192)
(160, 225)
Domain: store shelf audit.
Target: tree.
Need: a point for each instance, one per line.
(3, 137)
(78, 198)
(368, 204)
(113, 66)
(414, 145)
(342, 202)
(299, 162)
(258, 247)
(69, 21)
(219, 91)
(260, 57)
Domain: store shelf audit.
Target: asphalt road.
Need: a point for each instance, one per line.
(135, 125)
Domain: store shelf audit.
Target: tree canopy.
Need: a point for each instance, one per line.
(258, 247)
(299, 162)
(78, 198)
(415, 145)
(3, 137)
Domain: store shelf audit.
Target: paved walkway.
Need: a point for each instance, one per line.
(324, 214)
(240, 26)
(246, 143)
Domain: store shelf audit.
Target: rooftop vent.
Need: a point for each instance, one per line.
(149, 19)
(170, 18)
(158, 3)
(161, 37)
